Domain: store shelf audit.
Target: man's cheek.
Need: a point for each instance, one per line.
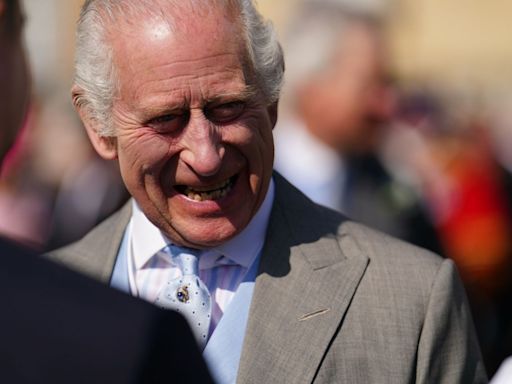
(147, 153)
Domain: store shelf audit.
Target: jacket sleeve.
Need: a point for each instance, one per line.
(448, 350)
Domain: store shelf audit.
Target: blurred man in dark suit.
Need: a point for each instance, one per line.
(60, 327)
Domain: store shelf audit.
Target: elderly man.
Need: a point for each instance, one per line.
(58, 326)
(184, 95)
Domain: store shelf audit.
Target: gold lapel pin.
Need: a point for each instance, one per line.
(182, 294)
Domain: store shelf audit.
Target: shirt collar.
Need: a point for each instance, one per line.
(243, 249)
(147, 239)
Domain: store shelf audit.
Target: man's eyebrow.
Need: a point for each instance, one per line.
(244, 95)
(151, 111)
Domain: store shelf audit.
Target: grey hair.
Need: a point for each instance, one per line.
(95, 84)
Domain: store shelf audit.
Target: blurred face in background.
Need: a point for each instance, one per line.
(347, 102)
(14, 76)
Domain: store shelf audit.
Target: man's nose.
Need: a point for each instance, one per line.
(203, 151)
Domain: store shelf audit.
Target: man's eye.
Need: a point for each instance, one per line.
(169, 122)
(225, 113)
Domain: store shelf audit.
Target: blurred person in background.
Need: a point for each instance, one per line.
(54, 186)
(442, 147)
(338, 100)
(14, 77)
(58, 326)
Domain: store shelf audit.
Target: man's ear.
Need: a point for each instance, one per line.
(272, 112)
(105, 146)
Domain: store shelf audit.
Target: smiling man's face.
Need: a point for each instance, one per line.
(193, 135)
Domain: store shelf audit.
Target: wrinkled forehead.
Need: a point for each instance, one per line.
(179, 17)
(188, 29)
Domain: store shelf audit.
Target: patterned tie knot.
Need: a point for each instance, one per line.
(186, 259)
(187, 262)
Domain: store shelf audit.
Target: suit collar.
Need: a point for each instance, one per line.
(309, 271)
(96, 253)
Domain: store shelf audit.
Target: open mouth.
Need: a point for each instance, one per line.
(210, 192)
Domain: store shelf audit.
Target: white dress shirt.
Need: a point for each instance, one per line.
(222, 268)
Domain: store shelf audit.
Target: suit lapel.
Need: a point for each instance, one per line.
(304, 287)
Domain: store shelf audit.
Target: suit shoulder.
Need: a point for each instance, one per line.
(381, 247)
(99, 233)
(102, 242)
(397, 269)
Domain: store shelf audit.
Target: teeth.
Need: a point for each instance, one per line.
(209, 188)
(209, 193)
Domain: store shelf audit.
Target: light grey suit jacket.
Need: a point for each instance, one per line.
(334, 302)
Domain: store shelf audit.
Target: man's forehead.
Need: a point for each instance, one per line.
(154, 39)
(187, 89)
(179, 16)
(184, 25)
(161, 54)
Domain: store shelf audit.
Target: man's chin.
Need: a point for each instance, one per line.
(208, 234)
